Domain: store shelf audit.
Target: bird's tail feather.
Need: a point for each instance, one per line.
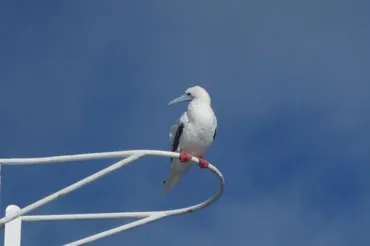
(177, 171)
(171, 182)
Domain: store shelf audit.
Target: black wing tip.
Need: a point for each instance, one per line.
(176, 140)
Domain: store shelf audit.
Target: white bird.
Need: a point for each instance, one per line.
(192, 134)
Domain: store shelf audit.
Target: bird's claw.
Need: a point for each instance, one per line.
(203, 163)
(184, 157)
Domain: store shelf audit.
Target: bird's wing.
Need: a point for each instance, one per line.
(176, 131)
(215, 123)
(177, 169)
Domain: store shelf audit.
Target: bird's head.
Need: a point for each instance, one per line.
(193, 93)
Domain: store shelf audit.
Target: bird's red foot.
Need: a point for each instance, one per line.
(202, 162)
(184, 157)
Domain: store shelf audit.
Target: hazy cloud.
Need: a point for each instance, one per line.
(289, 84)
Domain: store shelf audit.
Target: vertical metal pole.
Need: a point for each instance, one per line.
(12, 235)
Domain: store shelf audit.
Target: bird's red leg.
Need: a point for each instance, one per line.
(184, 157)
(202, 162)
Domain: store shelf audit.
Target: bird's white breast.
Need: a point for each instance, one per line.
(199, 130)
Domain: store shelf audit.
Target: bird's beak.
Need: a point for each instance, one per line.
(181, 99)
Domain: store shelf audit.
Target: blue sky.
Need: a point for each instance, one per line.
(289, 82)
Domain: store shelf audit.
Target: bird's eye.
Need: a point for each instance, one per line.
(188, 94)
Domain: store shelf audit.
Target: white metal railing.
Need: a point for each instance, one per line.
(15, 215)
